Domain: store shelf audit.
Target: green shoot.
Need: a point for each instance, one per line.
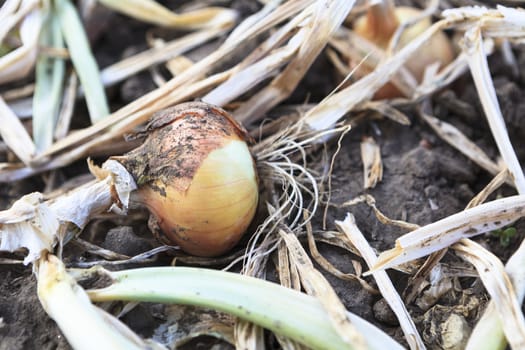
(282, 310)
(83, 60)
(48, 88)
(505, 235)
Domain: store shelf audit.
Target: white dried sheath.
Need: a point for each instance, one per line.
(441, 234)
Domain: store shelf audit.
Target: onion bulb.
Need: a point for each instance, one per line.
(380, 23)
(197, 178)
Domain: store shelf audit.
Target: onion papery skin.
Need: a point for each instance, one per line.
(197, 177)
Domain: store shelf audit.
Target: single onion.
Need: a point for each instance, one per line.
(380, 23)
(197, 177)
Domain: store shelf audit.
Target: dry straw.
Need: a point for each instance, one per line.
(297, 31)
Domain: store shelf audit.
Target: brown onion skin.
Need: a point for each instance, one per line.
(197, 178)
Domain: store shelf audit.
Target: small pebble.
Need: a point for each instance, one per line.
(455, 332)
(383, 313)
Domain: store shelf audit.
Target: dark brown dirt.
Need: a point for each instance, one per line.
(25, 323)
(424, 180)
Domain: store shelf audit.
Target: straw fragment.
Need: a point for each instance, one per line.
(12, 12)
(18, 92)
(488, 334)
(19, 62)
(496, 182)
(480, 72)
(385, 285)
(330, 268)
(315, 284)
(248, 335)
(270, 15)
(371, 202)
(360, 51)
(500, 288)
(325, 17)
(68, 104)
(288, 274)
(136, 63)
(386, 109)
(15, 134)
(441, 234)
(457, 68)
(247, 78)
(459, 141)
(372, 164)
(153, 12)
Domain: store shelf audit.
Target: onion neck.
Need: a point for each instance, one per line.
(135, 162)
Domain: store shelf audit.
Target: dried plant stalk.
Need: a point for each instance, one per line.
(480, 72)
(315, 284)
(288, 275)
(325, 17)
(386, 109)
(136, 63)
(456, 139)
(489, 331)
(19, 62)
(359, 50)
(12, 12)
(388, 291)
(371, 202)
(500, 288)
(68, 103)
(441, 234)
(19, 93)
(152, 12)
(330, 268)
(494, 184)
(247, 78)
(15, 135)
(372, 164)
(443, 78)
(248, 336)
(268, 17)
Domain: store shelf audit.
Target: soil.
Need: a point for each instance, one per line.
(424, 180)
